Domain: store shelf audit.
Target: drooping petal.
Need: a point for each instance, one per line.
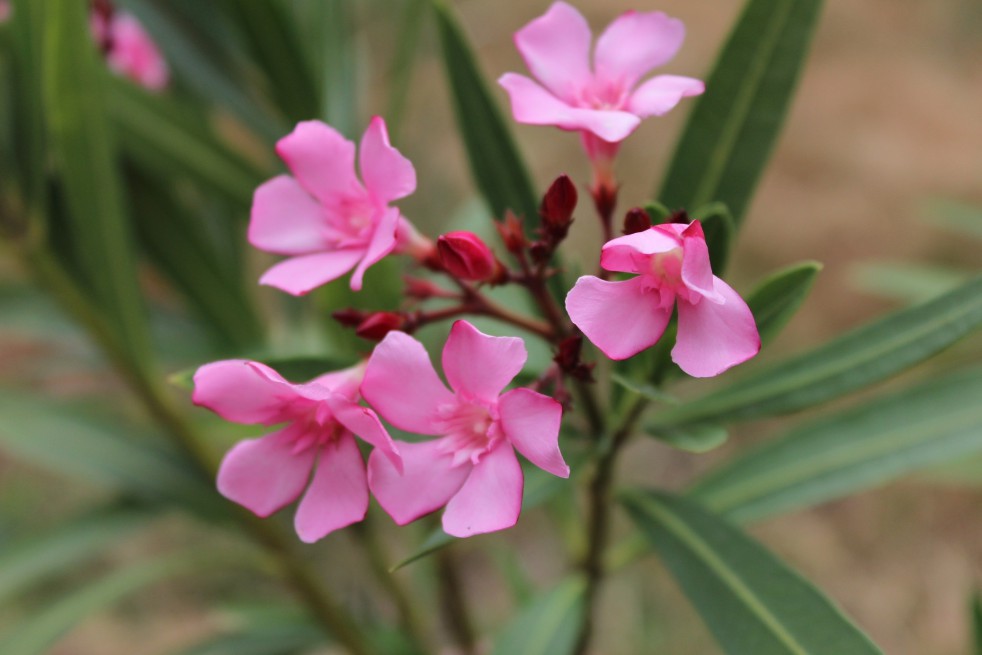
(383, 242)
(532, 104)
(321, 159)
(556, 49)
(531, 423)
(478, 365)
(242, 391)
(386, 173)
(301, 275)
(712, 337)
(427, 482)
(265, 474)
(620, 318)
(630, 253)
(364, 423)
(338, 494)
(660, 94)
(635, 43)
(697, 272)
(285, 219)
(491, 498)
(402, 386)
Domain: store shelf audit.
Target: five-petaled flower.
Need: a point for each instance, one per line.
(472, 469)
(321, 418)
(603, 102)
(715, 327)
(323, 217)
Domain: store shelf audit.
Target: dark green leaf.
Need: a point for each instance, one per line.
(860, 448)
(495, 161)
(717, 224)
(733, 128)
(549, 625)
(976, 623)
(853, 361)
(752, 602)
(27, 28)
(776, 299)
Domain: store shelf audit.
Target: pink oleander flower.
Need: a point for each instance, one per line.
(321, 417)
(472, 468)
(5, 10)
(604, 101)
(323, 217)
(715, 327)
(129, 50)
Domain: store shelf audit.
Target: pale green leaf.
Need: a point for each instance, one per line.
(549, 625)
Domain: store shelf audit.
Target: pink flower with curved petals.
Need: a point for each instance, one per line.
(130, 52)
(600, 98)
(321, 417)
(323, 217)
(715, 327)
(472, 469)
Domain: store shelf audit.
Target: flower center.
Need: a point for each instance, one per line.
(313, 429)
(666, 267)
(471, 430)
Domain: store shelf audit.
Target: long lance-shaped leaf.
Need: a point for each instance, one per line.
(734, 126)
(854, 450)
(776, 299)
(751, 601)
(496, 164)
(27, 26)
(75, 108)
(549, 625)
(853, 361)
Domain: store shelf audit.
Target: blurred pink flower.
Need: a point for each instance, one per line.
(715, 327)
(321, 418)
(472, 469)
(4, 11)
(129, 50)
(603, 100)
(323, 217)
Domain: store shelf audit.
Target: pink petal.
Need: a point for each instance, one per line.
(478, 365)
(491, 498)
(338, 494)
(620, 318)
(531, 423)
(344, 382)
(265, 474)
(243, 392)
(285, 219)
(301, 275)
(383, 242)
(660, 94)
(556, 49)
(635, 43)
(712, 337)
(631, 253)
(364, 423)
(697, 272)
(402, 386)
(532, 104)
(321, 159)
(427, 482)
(387, 174)
(135, 55)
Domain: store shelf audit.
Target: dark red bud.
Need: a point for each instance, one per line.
(465, 256)
(540, 251)
(558, 205)
(512, 234)
(379, 324)
(637, 220)
(605, 199)
(678, 216)
(349, 317)
(568, 358)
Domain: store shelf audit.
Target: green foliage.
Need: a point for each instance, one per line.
(692, 438)
(778, 297)
(717, 224)
(752, 602)
(548, 625)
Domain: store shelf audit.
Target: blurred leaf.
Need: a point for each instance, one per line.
(732, 129)
(860, 448)
(294, 369)
(692, 438)
(32, 559)
(75, 107)
(290, 634)
(403, 63)
(777, 298)
(855, 360)
(549, 625)
(644, 389)
(751, 601)
(717, 224)
(27, 23)
(496, 163)
(434, 541)
(976, 609)
(956, 217)
(906, 282)
(37, 633)
(656, 211)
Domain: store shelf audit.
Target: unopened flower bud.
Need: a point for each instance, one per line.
(636, 220)
(568, 359)
(421, 289)
(465, 256)
(349, 317)
(512, 234)
(379, 324)
(557, 207)
(678, 216)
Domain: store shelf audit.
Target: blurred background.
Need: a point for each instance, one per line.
(878, 175)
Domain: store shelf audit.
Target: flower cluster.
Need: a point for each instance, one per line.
(329, 220)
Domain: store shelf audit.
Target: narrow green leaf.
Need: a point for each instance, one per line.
(29, 134)
(853, 361)
(976, 610)
(904, 281)
(28, 561)
(957, 217)
(777, 298)
(549, 625)
(644, 389)
(732, 130)
(656, 211)
(862, 447)
(284, 636)
(717, 224)
(403, 63)
(75, 109)
(692, 438)
(496, 164)
(435, 541)
(751, 602)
